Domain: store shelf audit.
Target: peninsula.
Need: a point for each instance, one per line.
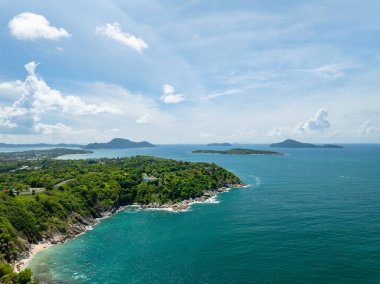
(40, 154)
(289, 143)
(45, 201)
(118, 143)
(238, 151)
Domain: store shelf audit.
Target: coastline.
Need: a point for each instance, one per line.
(85, 225)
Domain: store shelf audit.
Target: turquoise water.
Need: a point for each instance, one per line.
(312, 216)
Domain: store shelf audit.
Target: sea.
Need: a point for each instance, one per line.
(310, 216)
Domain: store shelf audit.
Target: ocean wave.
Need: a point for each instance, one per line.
(257, 182)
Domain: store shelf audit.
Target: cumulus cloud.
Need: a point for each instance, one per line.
(280, 131)
(114, 32)
(30, 26)
(170, 96)
(146, 118)
(244, 133)
(37, 98)
(206, 134)
(318, 123)
(367, 129)
(52, 128)
(11, 90)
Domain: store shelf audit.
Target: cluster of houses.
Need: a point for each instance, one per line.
(32, 168)
(149, 178)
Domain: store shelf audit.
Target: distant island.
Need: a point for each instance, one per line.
(118, 143)
(289, 143)
(39, 145)
(238, 151)
(219, 144)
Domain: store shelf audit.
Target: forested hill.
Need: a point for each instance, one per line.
(289, 143)
(71, 191)
(118, 143)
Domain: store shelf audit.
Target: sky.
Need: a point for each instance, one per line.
(190, 71)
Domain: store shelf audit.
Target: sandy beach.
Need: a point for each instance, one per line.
(35, 249)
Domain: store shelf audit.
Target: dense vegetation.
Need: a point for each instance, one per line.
(8, 276)
(76, 189)
(238, 151)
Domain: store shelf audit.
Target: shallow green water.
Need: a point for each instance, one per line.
(312, 216)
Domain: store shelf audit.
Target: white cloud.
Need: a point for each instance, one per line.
(366, 129)
(216, 94)
(280, 131)
(330, 71)
(52, 128)
(168, 89)
(244, 133)
(114, 32)
(206, 134)
(169, 96)
(172, 98)
(37, 98)
(11, 90)
(318, 123)
(146, 118)
(11, 86)
(314, 126)
(30, 26)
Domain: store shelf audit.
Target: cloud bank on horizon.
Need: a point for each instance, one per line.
(238, 72)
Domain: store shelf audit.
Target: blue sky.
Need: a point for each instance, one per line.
(189, 71)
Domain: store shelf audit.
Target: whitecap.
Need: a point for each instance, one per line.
(257, 181)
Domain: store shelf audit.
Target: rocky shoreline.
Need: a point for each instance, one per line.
(185, 204)
(82, 225)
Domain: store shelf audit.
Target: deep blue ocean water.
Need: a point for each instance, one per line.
(311, 216)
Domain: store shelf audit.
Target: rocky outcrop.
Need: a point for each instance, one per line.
(183, 205)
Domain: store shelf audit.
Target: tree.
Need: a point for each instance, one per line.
(25, 276)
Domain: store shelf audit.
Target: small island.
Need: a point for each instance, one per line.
(238, 151)
(219, 144)
(118, 143)
(289, 143)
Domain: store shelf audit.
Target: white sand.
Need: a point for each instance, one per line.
(35, 249)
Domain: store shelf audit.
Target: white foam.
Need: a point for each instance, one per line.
(169, 209)
(212, 200)
(257, 181)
